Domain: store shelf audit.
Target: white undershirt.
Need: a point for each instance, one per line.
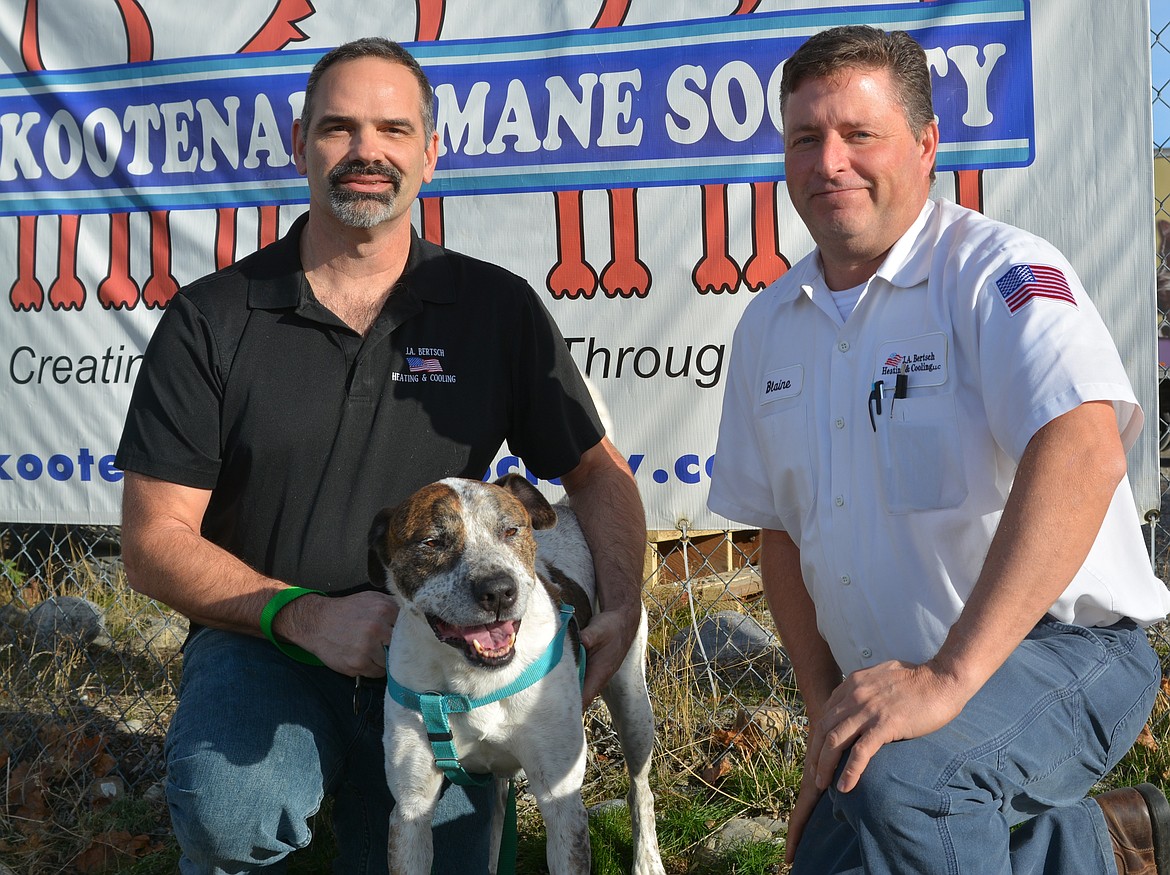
(847, 299)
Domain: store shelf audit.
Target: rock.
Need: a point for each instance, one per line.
(156, 792)
(607, 805)
(163, 634)
(742, 830)
(107, 789)
(737, 649)
(767, 726)
(67, 618)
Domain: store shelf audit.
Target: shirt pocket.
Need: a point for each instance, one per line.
(784, 435)
(922, 455)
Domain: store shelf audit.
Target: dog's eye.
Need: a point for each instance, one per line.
(429, 543)
(511, 532)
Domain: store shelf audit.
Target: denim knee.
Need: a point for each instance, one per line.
(224, 823)
(902, 776)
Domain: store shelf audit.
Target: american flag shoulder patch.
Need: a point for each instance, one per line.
(1023, 283)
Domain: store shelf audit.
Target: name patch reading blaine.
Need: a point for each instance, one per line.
(783, 383)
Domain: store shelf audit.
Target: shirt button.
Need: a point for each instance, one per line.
(843, 346)
(839, 422)
(845, 581)
(867, 653)
(840, 500)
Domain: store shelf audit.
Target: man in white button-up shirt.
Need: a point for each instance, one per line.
(928, 420)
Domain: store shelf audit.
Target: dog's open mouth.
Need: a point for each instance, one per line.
(491, 644)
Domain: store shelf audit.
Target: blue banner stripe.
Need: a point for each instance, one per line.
(674, 103)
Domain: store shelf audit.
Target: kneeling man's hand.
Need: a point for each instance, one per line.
(888, 702)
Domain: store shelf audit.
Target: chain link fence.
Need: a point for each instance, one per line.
(1158, 527)
(89, 669)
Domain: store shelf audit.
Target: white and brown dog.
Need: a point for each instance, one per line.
(480, 571)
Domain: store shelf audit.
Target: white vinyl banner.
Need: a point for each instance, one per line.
(623, 156)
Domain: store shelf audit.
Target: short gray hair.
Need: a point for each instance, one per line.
(373, 47)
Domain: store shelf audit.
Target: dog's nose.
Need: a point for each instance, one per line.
(495, 594)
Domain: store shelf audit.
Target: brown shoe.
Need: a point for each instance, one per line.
(1139, 826)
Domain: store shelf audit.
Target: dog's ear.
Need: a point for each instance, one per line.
(539, 510)
(376, 555)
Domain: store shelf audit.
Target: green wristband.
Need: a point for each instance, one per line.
(269, 613)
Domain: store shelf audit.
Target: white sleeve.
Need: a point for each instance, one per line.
(740, 483)
(1043, 348)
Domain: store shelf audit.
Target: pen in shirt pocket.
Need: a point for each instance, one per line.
(901, 384)
(875, 401)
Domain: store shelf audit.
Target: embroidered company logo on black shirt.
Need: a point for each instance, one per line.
(424, 365)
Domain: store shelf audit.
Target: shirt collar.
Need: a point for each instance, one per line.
(801, 278)
(908, 262)
(277, 277)
(906, 265)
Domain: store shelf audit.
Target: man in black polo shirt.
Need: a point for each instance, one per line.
(281, 403)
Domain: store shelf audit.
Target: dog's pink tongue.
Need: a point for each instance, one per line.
(493, 636)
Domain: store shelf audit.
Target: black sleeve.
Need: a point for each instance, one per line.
(555, 420)
(172, 428)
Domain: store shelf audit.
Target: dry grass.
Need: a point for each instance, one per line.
(79, 723)
(81, 732)
(81, 728)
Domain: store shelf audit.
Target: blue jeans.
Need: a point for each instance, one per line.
(1054, 719)
(259, 740)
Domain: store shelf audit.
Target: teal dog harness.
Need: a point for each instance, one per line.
(436, 706)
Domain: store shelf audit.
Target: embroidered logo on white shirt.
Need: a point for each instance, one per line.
(924, 358)
(783, 383)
